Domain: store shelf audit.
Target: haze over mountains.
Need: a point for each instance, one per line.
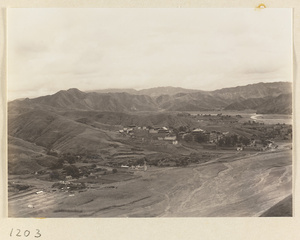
(262, 97)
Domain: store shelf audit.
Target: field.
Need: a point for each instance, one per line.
(233, 185)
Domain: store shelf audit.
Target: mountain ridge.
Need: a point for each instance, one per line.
(250, 96)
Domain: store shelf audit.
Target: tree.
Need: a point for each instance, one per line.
(200, 138)
(245, 141)
(72, 170)
(114, 170)
(139, 161)
(188, 137)
(234, 139)
(70, 158)
(57, 165)
(54, 175)
(182, 129)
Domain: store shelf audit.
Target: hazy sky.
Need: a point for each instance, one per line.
(54, 49)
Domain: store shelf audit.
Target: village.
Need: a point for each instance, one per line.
(246, 135)
(206, 139)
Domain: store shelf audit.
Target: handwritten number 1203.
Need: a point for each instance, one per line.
(26, 233)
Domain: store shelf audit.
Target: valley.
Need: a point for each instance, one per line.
(164, 152)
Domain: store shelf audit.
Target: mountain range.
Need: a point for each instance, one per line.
(273, 98)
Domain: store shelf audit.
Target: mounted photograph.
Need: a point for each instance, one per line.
(149, 113)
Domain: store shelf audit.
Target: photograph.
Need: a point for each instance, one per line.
(149, 112)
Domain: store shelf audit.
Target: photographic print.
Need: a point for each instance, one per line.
(149, 113)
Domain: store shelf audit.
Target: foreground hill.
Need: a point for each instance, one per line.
(25, 157)
(53, 131)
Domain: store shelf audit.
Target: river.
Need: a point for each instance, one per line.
(272, 118)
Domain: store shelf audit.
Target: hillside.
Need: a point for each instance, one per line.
(25, 157)
(119, 119)
(251, 103)
(281, 105)
(197, 101)
(52, 131)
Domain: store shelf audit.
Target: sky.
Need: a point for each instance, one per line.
(50, 50)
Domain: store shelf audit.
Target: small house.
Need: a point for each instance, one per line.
(153, 131)
(170, 138)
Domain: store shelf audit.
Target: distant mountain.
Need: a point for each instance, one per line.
(158, 91)
(236, 98)
(196, 101)
(75, 99)
(258, 90)
(152, 92)
(115, 90)
(261, 97)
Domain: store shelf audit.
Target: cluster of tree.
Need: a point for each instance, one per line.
(140, 161)
(65, 157)
(184, 129)
(233, 140)
(199, 137)
(68, 157)
(182, 162)
(253, 123)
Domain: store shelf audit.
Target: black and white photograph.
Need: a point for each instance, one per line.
(147, 113)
